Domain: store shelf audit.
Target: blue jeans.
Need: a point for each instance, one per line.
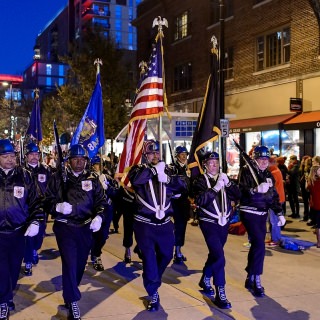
(275, 229)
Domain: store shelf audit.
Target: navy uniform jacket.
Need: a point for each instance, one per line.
(139, 176)
(255, 202)
(205, 197)
(19, 201)
(85, 193)
(41, 174)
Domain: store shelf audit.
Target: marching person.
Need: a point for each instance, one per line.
(154, 187)
(180, 204)
(77, 207)
(41, 174)
(100, 237)
(258, 195)
(20, 215)
(213, 193)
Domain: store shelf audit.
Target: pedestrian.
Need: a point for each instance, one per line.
(154, 187)
(21, 213)
(314, 187)
(293, 186)
(41, 174)
(213, 195)
(77, 207)
(180, 204)
(258, 195)
(275, 229)
(304, 170)
(100, 237)
(281, 162)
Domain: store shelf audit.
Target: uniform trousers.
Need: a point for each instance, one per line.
(256, 228)
(181, 215)
(156, 243)
(100, 237)
(11, 255)
(74, 243)
(34, 243)
(215, 237)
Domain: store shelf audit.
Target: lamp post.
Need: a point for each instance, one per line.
(11, 108)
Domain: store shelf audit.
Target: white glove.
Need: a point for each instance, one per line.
(262, 187)
(224, 178)
(160, 167)
(162, 177)
(64, 207)
(219, 184)
(95, 224)
(32, 230)
(282, 221)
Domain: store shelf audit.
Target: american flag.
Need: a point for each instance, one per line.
(148, 103)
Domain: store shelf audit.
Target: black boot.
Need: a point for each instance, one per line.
(153, 304)
(258, 289)
(206, 286)
(249, 282)
(74, 311)
(4, 311)
(221, 300)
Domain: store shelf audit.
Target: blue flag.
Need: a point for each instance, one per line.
(90, 131)
(34, 131)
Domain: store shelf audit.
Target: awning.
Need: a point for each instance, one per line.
(305, 120)
(259, 124)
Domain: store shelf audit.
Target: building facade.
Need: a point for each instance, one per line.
(271, 51)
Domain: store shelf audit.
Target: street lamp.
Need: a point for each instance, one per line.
(11, 108)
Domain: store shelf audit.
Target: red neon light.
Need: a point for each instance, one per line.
(11, 78)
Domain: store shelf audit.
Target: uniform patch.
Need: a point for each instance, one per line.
(18, 192)
(86, 185)
(42, 177)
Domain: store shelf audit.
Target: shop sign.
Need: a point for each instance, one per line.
(296, 104)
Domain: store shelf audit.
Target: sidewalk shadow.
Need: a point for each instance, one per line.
(216, 312)
(176, 271)
(147, 315)
(268, 308)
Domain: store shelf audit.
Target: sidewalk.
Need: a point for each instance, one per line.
(290, 280)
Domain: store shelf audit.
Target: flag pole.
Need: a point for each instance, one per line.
(98, 63)
(160, 22)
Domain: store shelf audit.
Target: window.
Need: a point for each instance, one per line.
(273, 49)
(215, 10)
(228, 64)
(182, 77)
(181, 26)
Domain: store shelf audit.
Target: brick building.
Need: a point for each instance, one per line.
(271, 55)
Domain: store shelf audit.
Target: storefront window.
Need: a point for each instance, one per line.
(290, 143)
(271, 140)
(252, 139)
(233, 156)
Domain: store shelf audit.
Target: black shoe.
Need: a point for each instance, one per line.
(221, 300)
(137, 251)
(127, 259)
(97, 264)
(258, 290)
(27, 269)
(35, 258)
(154, 303)
(206, 286)
(11, 305)
(114, 231)
(74, 311)
(4, 311)
(249, 282)
(179, 259)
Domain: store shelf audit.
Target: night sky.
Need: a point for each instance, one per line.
(20, 23)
